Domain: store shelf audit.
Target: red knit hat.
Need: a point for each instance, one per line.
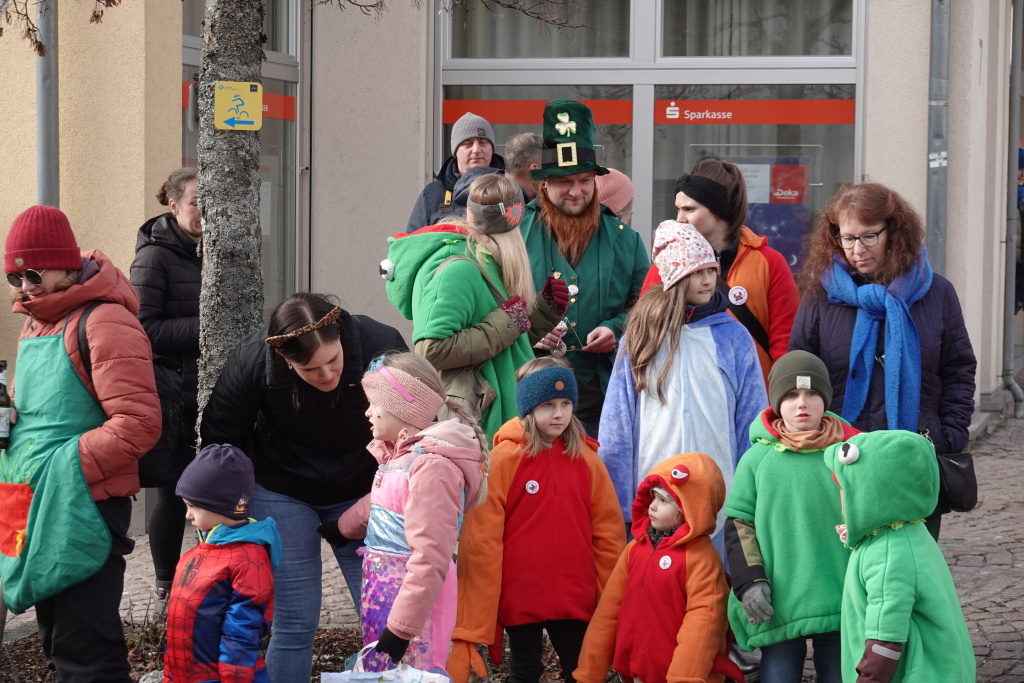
(615, 190)
(41, 238)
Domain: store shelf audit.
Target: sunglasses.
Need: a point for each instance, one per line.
(34, 277)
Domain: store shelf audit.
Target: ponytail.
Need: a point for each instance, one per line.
(456, 408)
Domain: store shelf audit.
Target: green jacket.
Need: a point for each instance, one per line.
(782, 509)
(608, 276)
(456, 319)
(898, 588)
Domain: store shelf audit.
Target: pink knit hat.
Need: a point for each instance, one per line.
(402, 395)
(679, 249)
(41, 238)
(615, 190)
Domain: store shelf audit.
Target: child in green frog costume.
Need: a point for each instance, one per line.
(901, 618)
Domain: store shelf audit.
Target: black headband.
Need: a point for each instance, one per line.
(706, 191)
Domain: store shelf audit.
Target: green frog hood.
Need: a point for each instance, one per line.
(418, 254)
(886, 477)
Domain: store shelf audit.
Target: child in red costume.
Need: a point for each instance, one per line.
(662, 616)
(536, 555)
(222, 597)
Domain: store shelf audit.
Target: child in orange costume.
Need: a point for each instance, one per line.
(662, 616)
(536, 555)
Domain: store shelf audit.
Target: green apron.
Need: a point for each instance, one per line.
(51, 533)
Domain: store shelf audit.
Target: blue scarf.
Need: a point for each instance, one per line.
(875, 303)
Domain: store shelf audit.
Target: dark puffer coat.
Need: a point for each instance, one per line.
(167, 273)
(948, 364)
(317, 453)
(430, 208)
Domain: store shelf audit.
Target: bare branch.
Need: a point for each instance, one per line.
(19, 13)
(99, 6)
(372, 8)
(558, 14)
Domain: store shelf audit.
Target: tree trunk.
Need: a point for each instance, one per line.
(231, 301)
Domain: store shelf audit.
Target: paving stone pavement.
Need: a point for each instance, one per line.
(984, 548)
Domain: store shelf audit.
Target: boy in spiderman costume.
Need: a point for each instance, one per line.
(222, 598)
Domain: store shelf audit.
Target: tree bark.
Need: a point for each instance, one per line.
(231, 301)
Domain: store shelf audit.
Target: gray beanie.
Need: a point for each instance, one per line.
(471, 126)
(798, 370)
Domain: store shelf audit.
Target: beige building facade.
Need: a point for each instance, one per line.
(819, 93)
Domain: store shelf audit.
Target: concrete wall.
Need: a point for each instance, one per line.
(371, 131)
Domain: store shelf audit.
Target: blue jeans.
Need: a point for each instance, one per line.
(784, 662)
(298, 580)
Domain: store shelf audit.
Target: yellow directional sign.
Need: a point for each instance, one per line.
(238, 105)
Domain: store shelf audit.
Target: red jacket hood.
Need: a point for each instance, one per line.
(696, 483)
(513, 431)
(106, 284)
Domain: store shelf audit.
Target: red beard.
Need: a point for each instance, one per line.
(571, 233)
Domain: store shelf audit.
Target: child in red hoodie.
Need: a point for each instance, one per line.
(662, 615)
(536, 555)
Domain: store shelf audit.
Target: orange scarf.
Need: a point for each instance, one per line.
(831, 432)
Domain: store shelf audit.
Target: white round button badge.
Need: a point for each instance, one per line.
(738, 295)
(532, 487)
(665, 562)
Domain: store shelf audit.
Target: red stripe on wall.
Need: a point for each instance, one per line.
(274, 106)
(532, 111)
(773, 112)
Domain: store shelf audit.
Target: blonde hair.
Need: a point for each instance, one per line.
(507, 248)
(71, 278)
(574, 435)
(657, 316)
(420, 368)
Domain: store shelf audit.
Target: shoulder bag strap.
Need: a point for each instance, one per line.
(747, 317)
(83, 342)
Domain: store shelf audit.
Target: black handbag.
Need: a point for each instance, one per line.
(958, 485)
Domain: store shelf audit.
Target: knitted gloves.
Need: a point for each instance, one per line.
(757, 602)
(515, 308)
(556, 294)
(879, 662)
(392, 645)
(329, 530)
(463, 658)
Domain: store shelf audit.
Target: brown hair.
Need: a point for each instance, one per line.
(295, 311)
(730, 177)
(420, 368)
(71, 278)
(869, 203)
(174, 186)
(657, 316)
(574, 435)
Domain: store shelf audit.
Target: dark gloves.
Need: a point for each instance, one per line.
(556, 294)
(329, 530)
(757, 602)
(515, 308)
(879, 662)
(391, 645)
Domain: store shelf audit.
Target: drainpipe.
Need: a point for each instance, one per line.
(48, 112)
(938, 118)
(1012, 216)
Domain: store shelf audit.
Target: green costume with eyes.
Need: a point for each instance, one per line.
(898, 588)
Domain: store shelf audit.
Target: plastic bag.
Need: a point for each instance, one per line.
(403, 673)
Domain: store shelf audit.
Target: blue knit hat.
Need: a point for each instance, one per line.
(220, 479)
(544, 385)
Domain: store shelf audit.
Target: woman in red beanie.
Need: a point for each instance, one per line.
(84, 416)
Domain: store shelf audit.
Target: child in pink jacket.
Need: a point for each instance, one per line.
(430, 473)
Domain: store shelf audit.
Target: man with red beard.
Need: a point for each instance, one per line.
(571, 235)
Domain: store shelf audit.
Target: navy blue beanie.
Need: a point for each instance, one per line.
(544, 385)
(220, 480)
(460, 194)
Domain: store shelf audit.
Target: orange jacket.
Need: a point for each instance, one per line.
(122, 372)
(771, 292)
(482, 557)
(662, 616)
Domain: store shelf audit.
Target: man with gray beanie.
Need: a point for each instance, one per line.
(472, 147)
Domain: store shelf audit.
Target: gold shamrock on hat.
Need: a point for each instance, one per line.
(565, 126)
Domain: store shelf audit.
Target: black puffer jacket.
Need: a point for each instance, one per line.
(316, 454)
(167, 273)
(430, 207)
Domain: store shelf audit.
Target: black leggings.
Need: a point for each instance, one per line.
(166, 530)
(526, 647)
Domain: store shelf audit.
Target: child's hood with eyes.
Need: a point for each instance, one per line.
(696, 483)
(886, 476)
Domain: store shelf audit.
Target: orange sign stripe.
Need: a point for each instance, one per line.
(772, 112)
(532, 111)
(274, 106)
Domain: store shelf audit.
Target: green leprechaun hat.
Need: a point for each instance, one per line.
(568, 141)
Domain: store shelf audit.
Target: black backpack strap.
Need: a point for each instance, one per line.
(746, 317)
(83, 342)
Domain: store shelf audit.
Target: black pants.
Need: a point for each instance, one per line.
(526, 644)
(81, 626)
(166, 530)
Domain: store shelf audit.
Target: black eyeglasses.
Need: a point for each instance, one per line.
(868, 239)
(35, 277)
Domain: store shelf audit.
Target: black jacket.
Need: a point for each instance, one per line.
(430, 207)
(316, 454)
(167, 273)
